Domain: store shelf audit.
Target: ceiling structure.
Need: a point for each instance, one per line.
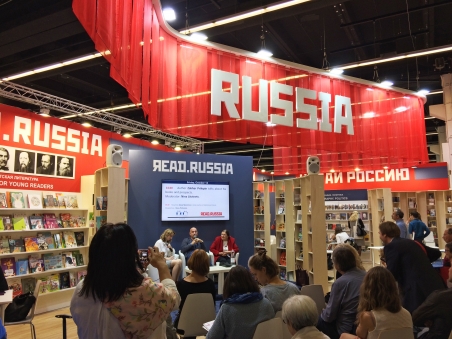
(317, 33)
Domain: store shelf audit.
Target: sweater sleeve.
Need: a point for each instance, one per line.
(186, 245)
(427, 311)
(217, 331)
(234, 246)
(213, 247)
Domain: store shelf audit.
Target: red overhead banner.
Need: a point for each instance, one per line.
(215, 92)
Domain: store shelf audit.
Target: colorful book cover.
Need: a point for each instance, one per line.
(53, 261)
(80, 238)
(3, 201)
(35, 200)
(28, 285)
(71, 201)
(4, 245)
(104, 203)
(99, 203)
(69, 260)
(2, 227)
(100, 221)
(60, 199)
(65, 219)
(31, 244)
(36, 222)
(45, 285)
(72, 279)
(19, 223)
(35, 263)
(50, 201)
(26, 219)
(58, 240)
(7, 223)
(65, 281)
(81, 275)
(69, 239)
(17, 200)
(73, 221)
(54, 282)
(22, 266)
(41, 240)
(79, 259)
(15, 285)
(81, 221)
(50, 221)
(8, 266)
(16, 245)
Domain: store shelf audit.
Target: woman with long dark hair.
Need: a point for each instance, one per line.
(114, 300)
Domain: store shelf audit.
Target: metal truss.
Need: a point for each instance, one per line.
(43, 100)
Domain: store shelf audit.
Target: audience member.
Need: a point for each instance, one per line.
(417, 227)
(340, 313)
(359, 263)
(189, 245)
(164, 246)
(340, 235)
(196, 282)
(410, 266)
(379, 307)
(436, 313)
(243, 309)
(447, 264)
(114, 301)
(223, 246)
(300, 314)
(266, 272)
(447, 237)
(397, 216)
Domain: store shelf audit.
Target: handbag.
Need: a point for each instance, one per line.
(360, 231)
(301, 276)
(20, 307)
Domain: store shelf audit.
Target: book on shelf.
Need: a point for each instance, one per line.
(53, 282)
(16, 245)
(3, 201)
(44, 287)
(69, 239)
(432, 223)
(343, 216)
(35, 263)
(7, 222)
(99, 203)
(297, 199)
(22, 266)
(8, 266)
(104, 203)
(65, 219)
(431, 199)
(80, 237)
(31, 244)
(59, 243)
(36, 222)
(65, 281)
(19, 223)
(35, 200)
(100, 221)
(17, 200)
(432, 212)
(299, 216)
(281, 208)
(81, 275)
(449, 209)
(50, 221)
(81, 221)
(60, 200)
(79, 258)
(15, 284)
(50, 200)
(4, 245)
(70, 201)
(52, 261)
(69, 260)
(412, 203)
(41, 241)
(28, 285)
(73, 279)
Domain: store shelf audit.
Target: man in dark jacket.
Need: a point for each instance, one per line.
(410, 266)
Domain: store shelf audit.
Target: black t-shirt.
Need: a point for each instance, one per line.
(3, 283)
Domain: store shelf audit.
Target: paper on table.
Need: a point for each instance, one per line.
(208, 325)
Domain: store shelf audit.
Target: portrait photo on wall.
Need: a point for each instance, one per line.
(45, 164)
(24, 161)
(6, 158)
(65, 166)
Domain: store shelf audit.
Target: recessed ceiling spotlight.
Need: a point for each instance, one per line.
(127, 135)
(177, 148)
(386, 83)
(269, 124)
(198, 36)
(272, 172)
(332, 170)
(86, 124)
(336, 71)
(169, 14)
(287, 173)
(263, 170)
(265, 53)
(155, 142)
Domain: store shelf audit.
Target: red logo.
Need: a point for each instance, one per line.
(211, 213)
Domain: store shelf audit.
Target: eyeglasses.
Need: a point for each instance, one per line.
(446, 250)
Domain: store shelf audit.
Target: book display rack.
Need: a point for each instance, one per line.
(282, 255)
(381, 208)
(261, 214)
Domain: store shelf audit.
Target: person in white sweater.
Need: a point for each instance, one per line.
(164, 246)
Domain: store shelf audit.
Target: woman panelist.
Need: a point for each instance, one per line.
(223, 247)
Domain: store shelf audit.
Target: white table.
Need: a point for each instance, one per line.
(372, 248)
(5, 300)
(220, 270)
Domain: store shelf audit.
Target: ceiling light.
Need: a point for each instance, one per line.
(423, 92)
(435, 92)
(337, 71)
(44, 112)
(357, 169)
(155, 142)
(262, 170)
(272, 172)
(127, 135)
(386, 83)
(264, 53)
(198, 36)
(177, 148)
(369, 115)
(332, 170)
(385, 167)
(86, 124)
(169, 14)
(287, 173)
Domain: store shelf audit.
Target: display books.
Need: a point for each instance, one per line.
(53, 282)
(299, 215)
(50, 201)
(431, 199)
(449, 209)
(70, 201)
(81, 275)
(80, 238)
(69, 260)
(81, 221)
(28, 285)
(65, 281)
(36, 222)
(35, 263)
(78, 258)
(99, 203)
(4, 245)
(69, 239)
(8, 266)
(15, 285)
(48, 240)
(17, 200)
(412, 203)
(3, 201)
(50, 221)
(16, 245)
(58, 240)
(7, 223)
(35, 200)
(281, 208)
(44, 287)
(41, 241)
(22, 266)
(432, 212)
(31, 244)
(52, 261)
(100, 221)
(72, 279)
(19, 223)
(65, 219)
(60, 200)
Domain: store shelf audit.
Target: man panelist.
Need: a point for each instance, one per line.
(189, 245)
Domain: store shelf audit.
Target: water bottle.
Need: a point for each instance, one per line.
(232, 257)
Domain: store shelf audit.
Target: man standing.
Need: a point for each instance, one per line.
(24, 165)
(397, 216)
(410, 266)
(417, 227)
(340, 314)
(64, 168)
(189, 245)
(447, 237)
(46, 165)
(4, 157)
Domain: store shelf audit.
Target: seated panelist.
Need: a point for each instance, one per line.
(164, 246)
(223, 247)
(192, 243)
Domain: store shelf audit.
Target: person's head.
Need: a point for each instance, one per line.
(113, 262)
(4, 157)
(45, 161)
(379, 290)
(299, 311)
(359, 263)
(448, 250)
(239, 281)
(415, 215)
(262, 267)
(24, 159)
(224, 235)
(450, 275)
(167, 235)
(388, 231)
(343, 259)
(64, 167)
(398, 214)
(193, 232)
(447, 236)
(199, 262)
(338, 229)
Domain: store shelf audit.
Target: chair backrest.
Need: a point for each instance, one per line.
(182, 258)
(397, 333)
(198, 309)
(237, 258)
(269, 329)
(316, 293)
(153, 273)
(285, 330)
(36, 294)
(212, 258)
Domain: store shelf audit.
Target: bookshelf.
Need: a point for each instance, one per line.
(298, 223)
(290, 219)
(446, 222)
(381, 207)
(261, 215)
(280, 217)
